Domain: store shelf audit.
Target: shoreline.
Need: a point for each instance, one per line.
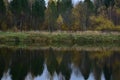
(61, 38)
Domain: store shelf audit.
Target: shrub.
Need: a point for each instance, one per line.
(101, 23)
(4, 26)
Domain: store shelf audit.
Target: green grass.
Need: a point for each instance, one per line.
(61, 38)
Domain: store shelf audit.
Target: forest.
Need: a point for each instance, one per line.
(59, 15)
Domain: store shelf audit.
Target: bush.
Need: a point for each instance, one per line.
(4, 26)
(15, 29)
(101, 23)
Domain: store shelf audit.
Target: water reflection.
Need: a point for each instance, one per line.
(51, 64)
(6, 75)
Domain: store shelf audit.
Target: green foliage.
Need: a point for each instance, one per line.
(19, 6)
(51, 15)
(59, 39)
(2, 7)
(59, 15)
(64, 5)
(38, 9)
(78, 17)
(117, 3)
(109, 3)
(90, 5)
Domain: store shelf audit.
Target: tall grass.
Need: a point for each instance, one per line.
(62, 38)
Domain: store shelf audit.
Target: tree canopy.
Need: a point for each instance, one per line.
(57, 15)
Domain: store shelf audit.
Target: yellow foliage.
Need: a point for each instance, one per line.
(116, 28)
(118, 10)
(60, 19)
(64, 27)
(15, 29)
(3, 26)
(101, 23)
(77, 17)
(101, 54)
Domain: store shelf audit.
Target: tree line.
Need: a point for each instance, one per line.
(18, 15)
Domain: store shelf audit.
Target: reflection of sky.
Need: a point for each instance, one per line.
(6, 76)
(46, 76)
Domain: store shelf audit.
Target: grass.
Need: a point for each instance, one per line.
(88, 38)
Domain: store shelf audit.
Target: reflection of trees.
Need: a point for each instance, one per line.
(52, 63)
(36, 62)
(116, 66)
(107, 68)
(85, 65)
(5, 59)
(64, 66)
(97, 69)
(2, 65)
(76, 58)
(19, 65)
(24, 61)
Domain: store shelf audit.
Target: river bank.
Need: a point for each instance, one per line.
(61, 38)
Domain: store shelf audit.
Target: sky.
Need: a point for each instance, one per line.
(73, 1)
(46, 1)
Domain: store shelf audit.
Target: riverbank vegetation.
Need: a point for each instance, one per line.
(63, 15)
(94, 38)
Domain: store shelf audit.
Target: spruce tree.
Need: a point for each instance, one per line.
(21, 10)
(51, 15)
(38, 13)
(109, 3)
(2, 7)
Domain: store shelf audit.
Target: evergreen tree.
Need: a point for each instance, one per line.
(2, 7)
(3, 25)
(64, 5)
(51, 15)
(21, 10)
(19, 6)
(64, 8)
(98, 4)
(117, 3)
(88, 10)
(89, 5)
(109, 3)
(77, 17)
(38, 9)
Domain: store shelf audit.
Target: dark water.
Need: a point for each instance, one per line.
(59, 64)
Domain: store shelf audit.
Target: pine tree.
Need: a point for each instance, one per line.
(38, 9)
(64, 8)
(77, 17)
(109, 3)
(19, 6)
(3, 25)
(88, 10)
(2, 7)
(51, 15)
(21, 10)
(117, 3)
(64, 5)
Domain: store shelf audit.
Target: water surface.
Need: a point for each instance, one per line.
(59, 64)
